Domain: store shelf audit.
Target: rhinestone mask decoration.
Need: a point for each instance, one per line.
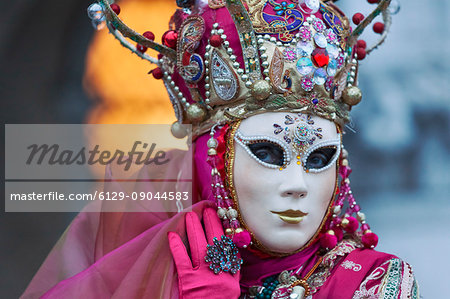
(302, 135)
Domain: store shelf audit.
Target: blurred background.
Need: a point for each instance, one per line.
(57, 69)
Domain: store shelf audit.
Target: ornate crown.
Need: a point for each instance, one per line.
(226, 60)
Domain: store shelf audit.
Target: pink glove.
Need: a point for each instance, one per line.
(195, 279)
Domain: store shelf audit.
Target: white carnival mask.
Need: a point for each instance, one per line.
(285, 176)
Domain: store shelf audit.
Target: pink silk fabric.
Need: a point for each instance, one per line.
(344, 281)
(116, 254)
(119, 254)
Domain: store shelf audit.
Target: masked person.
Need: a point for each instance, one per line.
(267, 87)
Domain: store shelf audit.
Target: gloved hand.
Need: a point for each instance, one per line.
(195, 279)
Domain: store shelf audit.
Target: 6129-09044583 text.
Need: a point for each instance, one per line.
(58, 196)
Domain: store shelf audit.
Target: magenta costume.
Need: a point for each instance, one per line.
(223, 62)
(113, 255)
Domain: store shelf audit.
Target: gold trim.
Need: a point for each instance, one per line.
(247, 37)
(229, 183)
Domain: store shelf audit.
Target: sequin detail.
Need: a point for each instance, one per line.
(290, 54)
(320, 76)
(305, 66)
(307, 84)
(304, 48)
(305, 33)
(320, 40)
(318, 25)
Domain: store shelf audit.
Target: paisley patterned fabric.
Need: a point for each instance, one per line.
(350, 271)
(375, 275)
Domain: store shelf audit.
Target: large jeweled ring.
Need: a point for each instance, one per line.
(223, 256)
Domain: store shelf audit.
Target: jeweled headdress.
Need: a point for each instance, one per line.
(225, 60)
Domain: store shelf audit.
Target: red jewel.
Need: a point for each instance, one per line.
(115, 8)
(357, 18)
(170, 39)
(157, 73)
(141, 48)
(215, 40)
(149, 35)
(320, 57)
(378, 27)
(361, 52)
(373, 1)
(361, 44)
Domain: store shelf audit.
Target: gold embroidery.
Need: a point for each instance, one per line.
(255, 8)
(329, 260)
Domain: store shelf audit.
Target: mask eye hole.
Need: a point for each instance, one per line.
(268, 152)
(321, 158)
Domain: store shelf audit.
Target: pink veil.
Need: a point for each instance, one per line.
(123, 254)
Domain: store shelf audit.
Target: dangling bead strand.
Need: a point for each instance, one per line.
(224, 205)
(352, 219)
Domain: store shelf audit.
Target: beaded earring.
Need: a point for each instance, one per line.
(352, 218)
(224, 204)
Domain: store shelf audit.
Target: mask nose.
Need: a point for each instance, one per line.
(293, 184)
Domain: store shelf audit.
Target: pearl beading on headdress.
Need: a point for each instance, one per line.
(269, 79)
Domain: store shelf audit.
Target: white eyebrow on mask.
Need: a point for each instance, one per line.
(244, 141)
(325, 143)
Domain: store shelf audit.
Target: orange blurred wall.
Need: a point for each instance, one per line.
(118, 80)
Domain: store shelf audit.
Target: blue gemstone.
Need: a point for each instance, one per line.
(315, 101)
